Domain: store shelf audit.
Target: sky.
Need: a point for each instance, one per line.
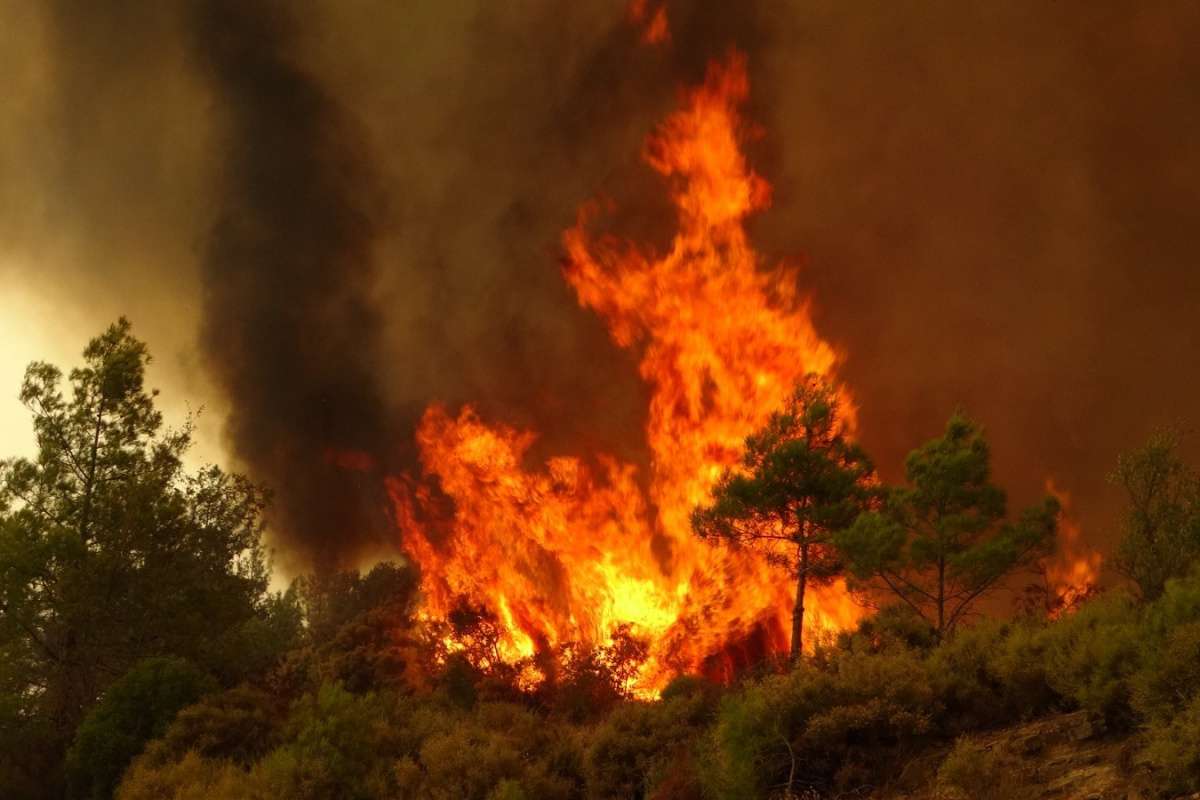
(324, 218)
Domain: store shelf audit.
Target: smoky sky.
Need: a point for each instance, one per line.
(336, 213)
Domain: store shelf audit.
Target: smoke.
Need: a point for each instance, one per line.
(379, 249)
(290, 327)
(997, 204)
(346, 211)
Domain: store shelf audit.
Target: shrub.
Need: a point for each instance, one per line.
(443, 752)
(592, 680)
(692, 686)
(337, 747)
(1173, 748)
(1092, 654)
(1179, 604)
(894, 626)
(468, 762)
(974, 772)
(134, 710)
(639, 744)
(820, 727)
(963, 677)
(1018, 665)
(240, 725)
(1170, 674)
(750, 745)
(190, 778)
(880, 702)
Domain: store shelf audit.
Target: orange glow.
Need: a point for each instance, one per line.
(1075, 568)
(570, 551)
(655, 27)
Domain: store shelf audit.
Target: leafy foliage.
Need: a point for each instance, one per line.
(1161, 524)
(111, 552)
(190, 778)
(974, 772)
(239, 725)
(639, 745)
(1173, 748)
(135, 709)
(941, 542)
(801, 480)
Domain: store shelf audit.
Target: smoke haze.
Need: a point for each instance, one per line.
(324, 219)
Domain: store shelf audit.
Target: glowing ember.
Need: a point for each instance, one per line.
(568, 553)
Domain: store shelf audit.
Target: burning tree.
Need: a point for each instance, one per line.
(800, 481)
(570, 550)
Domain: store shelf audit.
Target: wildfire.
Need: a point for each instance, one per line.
(1075, 569)
(570, 552)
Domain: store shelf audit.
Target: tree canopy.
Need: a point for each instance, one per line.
(800, 481)
(142, 656)
(942, 542)
(1161, 524)
(110, 550)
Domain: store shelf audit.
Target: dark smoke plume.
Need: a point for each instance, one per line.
(290, 327)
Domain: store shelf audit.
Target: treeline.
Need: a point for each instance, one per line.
(143, 656)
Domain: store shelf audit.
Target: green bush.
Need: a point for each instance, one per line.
(639, 744)
(468, 762)
(880, 702)
(135, 709)
(1018, 665)
(239, 725)
(989, 674)
(974, 772)
(894, 626)
(847, 717)
(1173, 748)
(1092, 654)
(1170, 674)
(337, 747)
(1178, 605)
(964, 680)
(190, 778)
(749, 744)
(440, 751)
(833, 725)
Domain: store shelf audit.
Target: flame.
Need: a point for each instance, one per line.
(572, 550)
(1076, 567)
(655, 27)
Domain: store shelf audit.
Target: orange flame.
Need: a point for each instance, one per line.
(568, 552)
(655, 27)
(1076, 567)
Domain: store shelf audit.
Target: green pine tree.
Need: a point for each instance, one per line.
(800, 481)
(942, 542)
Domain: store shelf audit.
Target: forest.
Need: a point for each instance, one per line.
(144, 654)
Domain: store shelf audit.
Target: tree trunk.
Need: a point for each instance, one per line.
(941, 598)
(798, 608)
